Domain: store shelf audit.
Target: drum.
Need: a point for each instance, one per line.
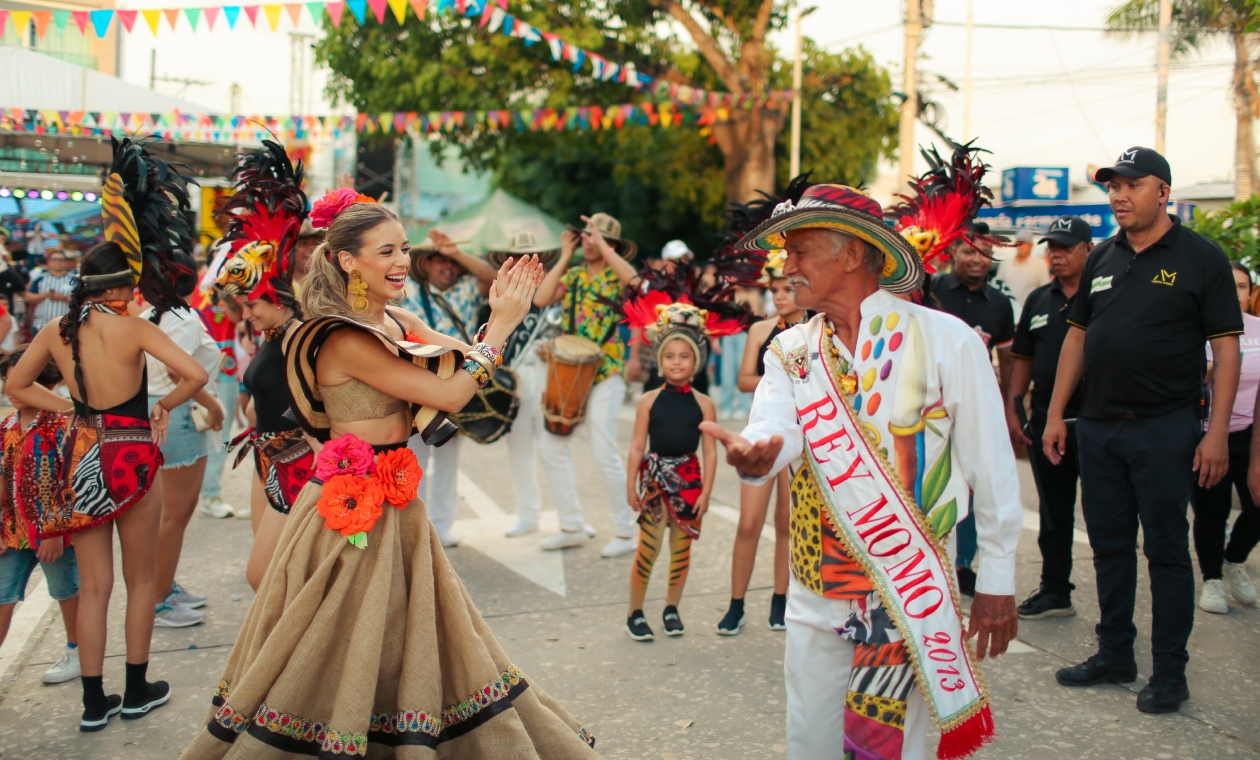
(488, 416)
(572, 362)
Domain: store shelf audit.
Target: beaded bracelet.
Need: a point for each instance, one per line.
(477, 371)
(490, 352)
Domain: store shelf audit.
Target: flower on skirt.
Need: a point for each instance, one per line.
(345, 455)
(351, 504)
(398, 474)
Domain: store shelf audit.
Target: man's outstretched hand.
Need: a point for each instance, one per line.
(753, 459)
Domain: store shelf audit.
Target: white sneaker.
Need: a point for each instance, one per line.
(1212, 598)
(187, 598)
(242, 513)
(590, 530)
(217, 508)
(563, 540)
(521, 528)
(447, 539)
(618, 546)
(173, 614)
(66, 669)
(1239, 585)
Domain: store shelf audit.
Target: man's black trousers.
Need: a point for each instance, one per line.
(1057, 508)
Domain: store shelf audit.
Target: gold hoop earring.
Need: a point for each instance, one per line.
(357, 291)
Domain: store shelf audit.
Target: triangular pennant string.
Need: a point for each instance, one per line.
(41, 19)
(101, 21)
(359, 9)
(80, 20)
(20, 20)
(60, 19)
(419, 7)
(172, 15)
(212, 15)
(152, 17)
(193, 15)
(334, 11)
(251, 12)
(378, 10)
(317, 12)
(128, 19)
(272, 11)
(399, 7)
(295, 12)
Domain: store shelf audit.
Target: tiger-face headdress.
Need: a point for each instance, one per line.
(263, 219)
(145, 212)
(944, 205)
(677, 305)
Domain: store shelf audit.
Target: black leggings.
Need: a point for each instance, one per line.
(1211, 513)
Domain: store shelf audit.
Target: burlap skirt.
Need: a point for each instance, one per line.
(377, 652)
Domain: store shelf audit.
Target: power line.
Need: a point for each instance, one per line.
(855, 37)
(1039, 27)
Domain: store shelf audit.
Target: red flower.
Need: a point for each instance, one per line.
(326, 209)
(351, 505)
(398, 474)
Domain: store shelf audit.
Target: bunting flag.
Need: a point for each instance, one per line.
(236, 129)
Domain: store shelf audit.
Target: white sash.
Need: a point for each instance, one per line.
(884, 532)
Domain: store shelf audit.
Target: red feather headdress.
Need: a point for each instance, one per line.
(946, 199)
(263, 219)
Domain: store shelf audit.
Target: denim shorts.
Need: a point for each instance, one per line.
(16, 566)
(185, 444)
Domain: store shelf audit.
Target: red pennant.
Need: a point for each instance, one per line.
(81, 20)
(334, 12)
(378, 9)
(212, 13)
(128, 19)
(252, 12)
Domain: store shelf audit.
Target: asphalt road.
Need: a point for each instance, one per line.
(561, 617)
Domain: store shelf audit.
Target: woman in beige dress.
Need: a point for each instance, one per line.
(362, 640)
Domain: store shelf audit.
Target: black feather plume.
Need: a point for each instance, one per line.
(745, 267)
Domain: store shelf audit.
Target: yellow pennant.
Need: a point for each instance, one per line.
(399, 7)
(273, 15)
(152, 17)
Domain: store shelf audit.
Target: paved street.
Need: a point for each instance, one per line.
(561, 617)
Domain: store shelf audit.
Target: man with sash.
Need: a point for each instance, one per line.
(895, 415)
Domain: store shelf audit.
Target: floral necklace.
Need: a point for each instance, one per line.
(848, 379)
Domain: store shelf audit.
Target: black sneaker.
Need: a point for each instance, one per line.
(673, 623)
(1043, 604)
(966, 581)
(778, 609)
(1097, 670)
(154, 695)
(1163, 694)
(731, 623)
(637, 627)
(95, 720)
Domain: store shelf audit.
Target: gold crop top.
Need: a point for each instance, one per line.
(355, 400)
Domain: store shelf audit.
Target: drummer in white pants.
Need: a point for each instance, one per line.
(585, 291)
(446, 288)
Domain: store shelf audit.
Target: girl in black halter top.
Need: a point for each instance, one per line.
(667, 483)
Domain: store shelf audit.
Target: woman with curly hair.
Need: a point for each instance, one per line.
(362, 640)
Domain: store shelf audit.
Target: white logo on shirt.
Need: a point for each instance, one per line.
(1038, 321)
(1100, 284)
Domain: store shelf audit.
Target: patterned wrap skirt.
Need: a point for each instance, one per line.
(111, 462)
(375, 652)
(283, 460)
(669, 488)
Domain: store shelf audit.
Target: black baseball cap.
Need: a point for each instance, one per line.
(1137, 162)
(1068, 230)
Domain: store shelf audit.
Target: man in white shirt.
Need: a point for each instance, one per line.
(1023, 273)
(893, 416)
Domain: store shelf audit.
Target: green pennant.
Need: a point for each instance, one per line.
(193, 15)
(317, 12)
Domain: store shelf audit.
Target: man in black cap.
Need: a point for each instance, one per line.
(1151, 296)
(1035, 356)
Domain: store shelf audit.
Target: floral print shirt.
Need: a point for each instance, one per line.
(464, 298)
(588, 313)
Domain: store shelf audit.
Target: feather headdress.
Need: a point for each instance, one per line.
(749, 267)
(263, 218)
(144, 210)
(668, 305)
(946, 199)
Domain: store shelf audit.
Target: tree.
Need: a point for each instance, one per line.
(1195, 23)
(1234, 228)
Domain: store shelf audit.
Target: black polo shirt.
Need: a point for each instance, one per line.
(986, 310)
(1146, 317)
(1039, 338)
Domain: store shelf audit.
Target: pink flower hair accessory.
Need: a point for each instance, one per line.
(326, 209)
(345, 455)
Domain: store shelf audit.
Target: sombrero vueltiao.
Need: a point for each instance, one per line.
(524, 243)
(610, 228)
(844, 209)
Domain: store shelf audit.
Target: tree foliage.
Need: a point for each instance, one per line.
(662, 183)
(1234, 228)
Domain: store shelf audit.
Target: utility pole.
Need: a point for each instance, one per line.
(1161, 87)
(910, 107)
(966, 128)
(796, 98)
(153, 69)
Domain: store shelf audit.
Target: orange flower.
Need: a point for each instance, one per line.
(351, 504)
(398, 474)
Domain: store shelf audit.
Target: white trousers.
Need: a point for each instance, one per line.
(816, 671)
(439, 486)
(531, 376)
(602, 409)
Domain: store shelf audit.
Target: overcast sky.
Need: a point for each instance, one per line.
(1040, 97)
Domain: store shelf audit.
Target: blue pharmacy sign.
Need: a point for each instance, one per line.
(1035, 184)
(1039, 218)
